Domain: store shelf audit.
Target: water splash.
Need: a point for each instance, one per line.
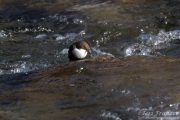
(83, 32)
(64, 51)
(26, 56)
(41, 36)
(23, 66)
(147, 44)
(69, 36)
(97, 52)
(160, 38)
(137, 49)
(2, 34)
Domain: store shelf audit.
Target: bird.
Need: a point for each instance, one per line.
(79, 50)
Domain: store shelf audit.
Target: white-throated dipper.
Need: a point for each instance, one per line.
(78, 50)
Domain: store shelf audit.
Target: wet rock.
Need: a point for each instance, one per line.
(83, 89)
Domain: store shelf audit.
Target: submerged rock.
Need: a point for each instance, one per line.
(98, 88)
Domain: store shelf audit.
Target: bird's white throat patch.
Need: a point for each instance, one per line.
(79, 53)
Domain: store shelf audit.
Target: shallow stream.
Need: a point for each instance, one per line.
(35, 35)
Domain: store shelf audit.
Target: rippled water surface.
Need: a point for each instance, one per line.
(37, 34)
(34, 36)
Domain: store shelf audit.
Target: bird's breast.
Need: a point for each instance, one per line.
(79, 53)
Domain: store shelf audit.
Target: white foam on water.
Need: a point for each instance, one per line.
(83, 32)
(26, 56)
(1, 72)
(2, 34)
(160, 38)
(64, 51)
(60, 37)
(18, 67)
(97, 52)
(34, 30)
(23, 66)
(41, 36)
(149, 43)
(69, 36)
(137, 49)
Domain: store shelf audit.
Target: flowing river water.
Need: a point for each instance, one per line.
(37, 82)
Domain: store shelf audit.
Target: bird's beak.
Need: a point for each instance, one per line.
(90, 53)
